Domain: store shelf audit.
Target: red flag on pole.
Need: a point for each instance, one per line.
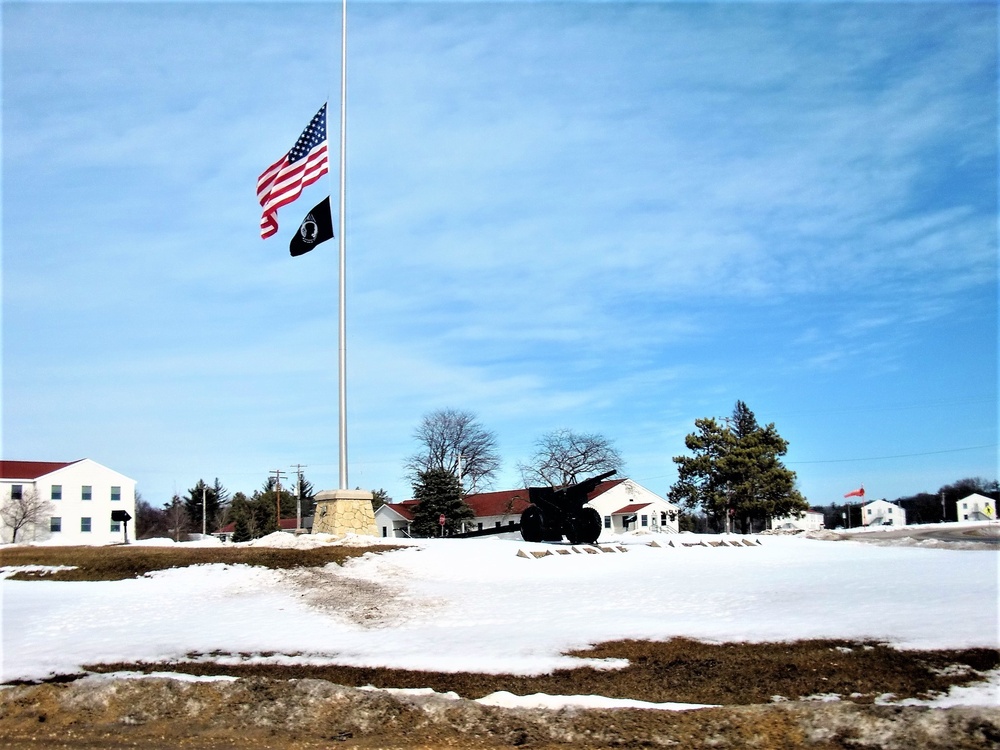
(282, 182)
(860, 492)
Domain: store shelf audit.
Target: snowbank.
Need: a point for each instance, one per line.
(460, 605)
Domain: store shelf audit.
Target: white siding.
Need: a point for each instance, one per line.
(882, 513)
(75, 513)
(657, 510)
(810, 520)
(977, 507)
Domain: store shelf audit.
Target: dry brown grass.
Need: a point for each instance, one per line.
(679, 670)
(304, 707)
(262, 714)
(130, 561)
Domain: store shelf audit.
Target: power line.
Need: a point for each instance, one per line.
(901, 455)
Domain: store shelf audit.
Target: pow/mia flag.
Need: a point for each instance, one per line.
(317, 227)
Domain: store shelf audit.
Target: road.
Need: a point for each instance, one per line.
(986, 533)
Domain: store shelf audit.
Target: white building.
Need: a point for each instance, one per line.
(492, 510)
(622, 504)
(625, 505)
(810, 520)
(977, 507)
(77, 498)
(882, 513)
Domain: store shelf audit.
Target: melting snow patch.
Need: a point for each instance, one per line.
(503, 699)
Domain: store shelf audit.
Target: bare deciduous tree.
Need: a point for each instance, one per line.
(24, 511)
(565, 457)
(448, 436)
(178, 522)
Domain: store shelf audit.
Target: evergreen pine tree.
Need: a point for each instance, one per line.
(242, 531)
(440, 494)
(736, 472)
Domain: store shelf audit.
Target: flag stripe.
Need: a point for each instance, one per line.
(283, 181)
(291, 183)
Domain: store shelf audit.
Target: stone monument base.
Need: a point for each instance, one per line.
(342, 512)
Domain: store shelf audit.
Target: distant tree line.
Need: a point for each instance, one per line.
(924, 507)
(732, 478)
(253, 515)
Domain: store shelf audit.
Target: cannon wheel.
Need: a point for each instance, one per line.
(586, 527)
(532, 524)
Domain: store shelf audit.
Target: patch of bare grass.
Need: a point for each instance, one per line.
(129, 561)
(680, 670)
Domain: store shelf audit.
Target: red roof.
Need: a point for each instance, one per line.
(630, 508)
(604, 487)
(30, 469)
(405, 509)
(503, 503)
(287, 524)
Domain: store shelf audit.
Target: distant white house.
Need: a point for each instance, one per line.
(882, 513)
(78, 497)
(810, 520)
(622, 504)
(977, 507)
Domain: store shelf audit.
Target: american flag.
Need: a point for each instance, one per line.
(282, 182)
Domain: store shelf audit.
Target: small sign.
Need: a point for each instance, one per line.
(441, 519)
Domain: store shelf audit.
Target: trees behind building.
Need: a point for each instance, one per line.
(439, 495)
(454, 441)
(564, 457)
(216, 501)
(922, 507)
(254, 516)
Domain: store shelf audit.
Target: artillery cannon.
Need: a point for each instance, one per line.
(558, 512)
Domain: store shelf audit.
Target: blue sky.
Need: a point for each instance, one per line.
(607, 217)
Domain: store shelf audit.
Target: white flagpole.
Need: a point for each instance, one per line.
(342, 352)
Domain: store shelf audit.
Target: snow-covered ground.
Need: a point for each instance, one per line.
(476, 605)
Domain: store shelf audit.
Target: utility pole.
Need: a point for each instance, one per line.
(203, 530)
(277, 491)
(298, 507)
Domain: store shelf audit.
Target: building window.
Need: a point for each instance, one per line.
(385, 531)
(86, 492)
(16, 491)
(85, 524)
(116, 494)
(480, 527)
(496, 524)
(116, 527)
(55, 524)
(607, 522)
(645, 520)
(57, 492)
